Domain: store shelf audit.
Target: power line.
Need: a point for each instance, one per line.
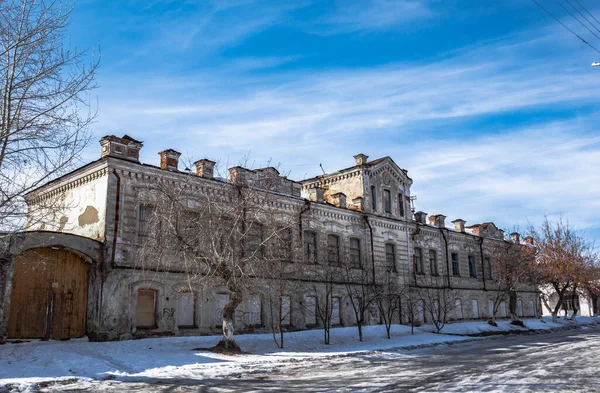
(506, 164)
(577, 19)
(588, 12)
(583, 16)
(565, 26)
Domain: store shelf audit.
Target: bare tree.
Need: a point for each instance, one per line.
(227, 237)
(563, 256)
(437, 301)
(388, 298)
(360, 291)
(512, 267)
(45, 108)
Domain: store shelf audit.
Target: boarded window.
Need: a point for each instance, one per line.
(472, 267)
(145, 213)
(458, 309)
(145, 311)
(310, 310)
(335, 310)
(333, 250)
(401, 205)
(455, 265)
(255, 312)
(286, 311)
(221, 299)
(390, 257)
(520, 307)
(387, 201)
(436, 310)
(284, 240)
(418, 260)
(310, 247)
(491, 308)
(433, 265)
(186, 309)
(421, 311)
(503, 313)
(475, 308)
(531, 308)
(355, 253)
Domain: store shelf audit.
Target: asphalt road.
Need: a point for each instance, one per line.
(567, 361)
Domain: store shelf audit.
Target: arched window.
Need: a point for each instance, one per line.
(520, 308)
(458, 309)
(475, 308)
(531, 308)
(503, 313)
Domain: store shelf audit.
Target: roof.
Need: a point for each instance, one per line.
(352, 168)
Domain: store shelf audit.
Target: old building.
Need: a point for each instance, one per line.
(77, 270)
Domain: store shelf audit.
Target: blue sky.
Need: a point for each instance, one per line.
(491, 106)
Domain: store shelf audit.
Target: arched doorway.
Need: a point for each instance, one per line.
(49, 295)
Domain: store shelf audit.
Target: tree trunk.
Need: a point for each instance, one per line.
(228, 343)
(360, 332)
(512, 306)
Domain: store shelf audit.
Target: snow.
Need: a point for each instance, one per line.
(28, 363)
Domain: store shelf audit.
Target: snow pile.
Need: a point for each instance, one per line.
(175, 357)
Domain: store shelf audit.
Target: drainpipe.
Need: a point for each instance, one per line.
(116, 225)
(482, 264)
(447, 259)
(304, 210)
(372, 247)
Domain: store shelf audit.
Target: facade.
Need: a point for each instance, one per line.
(360, 216)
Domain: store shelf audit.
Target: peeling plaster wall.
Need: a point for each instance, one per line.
(73, 205)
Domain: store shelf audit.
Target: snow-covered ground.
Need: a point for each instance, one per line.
(23, 365)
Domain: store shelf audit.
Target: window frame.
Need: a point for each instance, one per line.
(455, 264)
(433, 263)
(333, 250)
(390, 267)
(306, 252)
(400, 204)
(472, 266)
(387, 201)
(374, 199)
(355, 260)
(418, 261)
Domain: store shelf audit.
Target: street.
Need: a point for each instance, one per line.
(563, 361)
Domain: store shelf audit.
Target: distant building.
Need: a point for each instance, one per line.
(75, 272)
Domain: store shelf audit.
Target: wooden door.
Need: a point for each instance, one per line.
(49, 295)
(145, 313)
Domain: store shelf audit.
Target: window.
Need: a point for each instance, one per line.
(145, 310)
(401, 205)
(333, 250)
(520, 308)
(490, 308)
(335, 311)
(310, 310)
(355, 253)
(221, 300)
(455, 265)
(488, 265)
(255, 314)
(186, 309)
(253, 240)
(458, 309)
(418, 260)
(472, 267)
(433, 266)
(310, 247)
(531, 308)
(421, 310)
(387, 201)
(284, 244)
(436, 317)
(475, 308)
(373, 199)
(390, 257)
(144, 215)
(503, 313)
(286, 312)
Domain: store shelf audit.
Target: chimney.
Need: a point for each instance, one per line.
(169, 159)
(361, 159)
(338, 199)
(437, 220)
(357, 204)
(241, 175)
(125, 147)
(421, 217)
(205, 168)
(316, 194)
(459, 225)
(528, 240)
(515, 237)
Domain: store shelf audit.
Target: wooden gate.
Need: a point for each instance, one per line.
(49, 295)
